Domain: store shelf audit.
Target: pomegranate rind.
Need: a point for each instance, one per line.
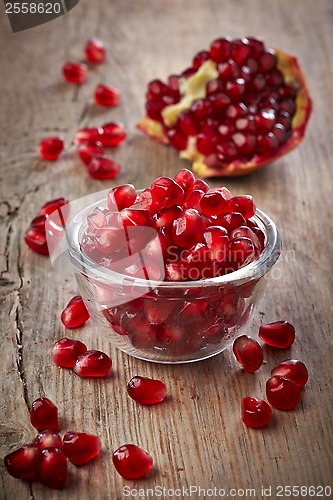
(293, 75)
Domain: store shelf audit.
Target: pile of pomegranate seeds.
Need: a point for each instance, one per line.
(35, 236)
(50, 148)
(246, 108)
(146, 391)
(75, 313)
(45, 459)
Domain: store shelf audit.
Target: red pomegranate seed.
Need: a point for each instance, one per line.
(213, 202)
(185, 125)
(292, 369)
(93, 364)
(91, 135)
(109, 240)
(266, 144)
(201, 185)
(279, 334)
(255, 412)
(230, 220)
(50, 148)
(264, 121)
(134, 217)
(167, 190)
(80, 447)
(65, 352)
(194, 200)
(267, 61)
(242, 252)
(48, 439)
(177, 139)
(282, 393)
(220, 50)
(87, 150)
(107, 96)
(96, 220)
(240, 51)
(95, 50)
(52, 469)
(131, 462)
(36, 240)
(188, 229)
(243, 204)
(52, 205)
(245, 143)
(44, 415)
(23, 462)
(217, 241)
(121, 197)
(206, 144)
(248, 353)
(235, 89)
(113, 134)
(101, 167)
(200, 58)
(38, 223)
(166, 216)
(185, 179)
(142, 332)
(157, 311)
(75, 72)
(146, 391)
(75, 313)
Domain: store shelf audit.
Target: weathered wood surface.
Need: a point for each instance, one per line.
(196, 437)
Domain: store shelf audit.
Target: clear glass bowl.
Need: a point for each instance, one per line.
(171, 322)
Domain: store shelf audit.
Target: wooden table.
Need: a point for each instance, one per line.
(196, 437)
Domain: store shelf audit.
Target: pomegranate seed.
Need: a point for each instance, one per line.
(201, 185)
(235, 89)
(188, 229)
(121, 197)
(292, 369)
(240, 51)
(65, 352)
(93, 364)
(243, 204)
(266, 144)
(166, 216)
(200, 58)
(265, 121)
(134, 217)
(23, 462)
(44, 415)
(113, 134)
(257, 46)
(177, 140)
(107, 96)
(48, 439)
(230, 221)
(75, 313)
(87, 150)
(168, 190)
(280, 133)
(255, 412)
(185, 125)
(279, 334)
(267, 61)
(131, 462)
(101, 167)
(228, 71)
(201, 110)
(146, 391)
(194, 200)
(38, 223)
(75, 72)
(220, 50)
(36, 240)
(50, 148)
(51, 206)
(282, 393)
(91, 135)
(96, 220)
(157, 311)
(109, 240)
(185, 179)
(95, 50)
(212, 203)
(80, 447)
(245, 143)
(217, 241)
(143, 334)
(52, 469)
(248, 353)
(242, 252)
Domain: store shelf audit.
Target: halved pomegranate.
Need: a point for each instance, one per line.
(239, 107)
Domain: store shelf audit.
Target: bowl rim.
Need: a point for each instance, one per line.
(254, 270)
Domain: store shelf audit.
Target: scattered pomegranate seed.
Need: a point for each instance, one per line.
(107, 96)
(279, 334)
(146, 391)
(255, 412)
(93, 364)
(282, 393)
(91, 135)
(23, 462)
(44, 415)
(87, 150)
(52, 469)
(292, 369)
(36, 240)
(248, 353)
(121, 197)
(48, 439)
(113, 134)
(101, 167)
(51, 206)
(75, 313)
(65, 352)
(131, 462)
(95, 51)
(80, 447)
(50, 148)
(75, 72)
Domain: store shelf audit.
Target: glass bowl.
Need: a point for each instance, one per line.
(171, 322)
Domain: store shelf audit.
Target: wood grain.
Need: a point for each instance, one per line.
(196, 436)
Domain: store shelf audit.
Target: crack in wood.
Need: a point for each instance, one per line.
(32, 495)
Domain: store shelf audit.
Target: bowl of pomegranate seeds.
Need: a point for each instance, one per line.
(173, 272)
